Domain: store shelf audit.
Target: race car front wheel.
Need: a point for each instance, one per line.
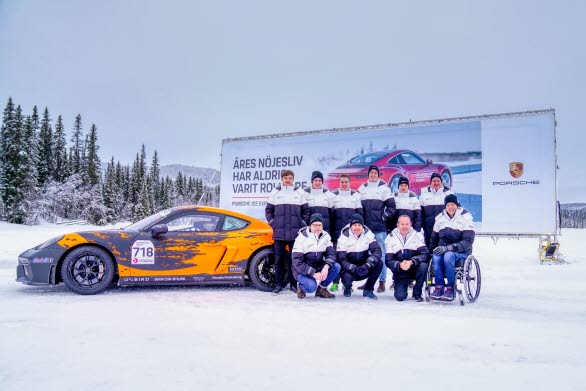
(87, 270)
(262, 270)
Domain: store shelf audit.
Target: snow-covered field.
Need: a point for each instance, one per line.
(527, 331)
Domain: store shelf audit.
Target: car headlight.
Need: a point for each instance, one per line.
(50, 242)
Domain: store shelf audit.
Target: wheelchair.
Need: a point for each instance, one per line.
(468, 280)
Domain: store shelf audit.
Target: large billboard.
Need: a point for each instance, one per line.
(501, 167)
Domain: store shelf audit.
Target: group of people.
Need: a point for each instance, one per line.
(322, 237)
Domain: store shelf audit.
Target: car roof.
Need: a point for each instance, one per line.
(213, 209)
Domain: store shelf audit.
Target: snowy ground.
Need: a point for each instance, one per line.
(525, 332)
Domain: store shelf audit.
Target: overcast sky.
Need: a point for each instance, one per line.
(179, 76)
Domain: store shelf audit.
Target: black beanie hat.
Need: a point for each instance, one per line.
(316, 218)
(403, 181)
(451, 198)
(317, 174)
(356, 218)
(434, 175)
(373, 167)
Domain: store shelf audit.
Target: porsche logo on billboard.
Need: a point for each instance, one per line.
(516, 169)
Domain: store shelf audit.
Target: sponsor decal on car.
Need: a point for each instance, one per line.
(143, 253)
(237, 269)
(42, 260)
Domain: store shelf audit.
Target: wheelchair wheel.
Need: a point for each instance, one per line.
(471, 278)
(428, 283)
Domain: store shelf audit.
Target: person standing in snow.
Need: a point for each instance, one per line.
(378, 205)
(314, 260)
(407, 257)
(432, 203)
(451, 241)
(346, 203)
(286, 212)
(319, 199)
(407, 203)
(359, 255)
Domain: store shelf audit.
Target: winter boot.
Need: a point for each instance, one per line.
(278, 289)
(323, 293)
(417, 298)
(370, 295)
(437, 292)
(381, 287)
(347, 291)
(448, 294)
(300, 293)
(334, 287)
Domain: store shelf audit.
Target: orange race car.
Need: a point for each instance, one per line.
(185, 245)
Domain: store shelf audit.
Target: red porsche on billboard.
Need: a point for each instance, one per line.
(392, 165)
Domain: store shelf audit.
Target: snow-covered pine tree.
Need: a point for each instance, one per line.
(60, 169)
(13, 175)
(142, 209)
(92, 160)
(29, 156)
(135, 182)
(180, 185)
(109, 191)
(165, 203)
(155, 182)
(7, 126)
(76, 149)
(45, 162)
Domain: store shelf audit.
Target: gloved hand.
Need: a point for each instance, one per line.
(350, 267)
(439, 250)
(362, 271)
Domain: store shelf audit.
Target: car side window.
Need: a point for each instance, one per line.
(193, 223)
(395, 160)
(412, 159)
(233, 223)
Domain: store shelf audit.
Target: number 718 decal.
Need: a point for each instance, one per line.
(143, 253)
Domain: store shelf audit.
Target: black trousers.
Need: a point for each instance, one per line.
(348, 277)
(283, 263)
(402, 278)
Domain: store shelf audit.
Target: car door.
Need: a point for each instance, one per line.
(418, 171)
(190, 247)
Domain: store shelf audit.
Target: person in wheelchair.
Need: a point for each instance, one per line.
(451, 240)
(407, 257)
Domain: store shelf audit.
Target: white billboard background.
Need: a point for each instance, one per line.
(526, 204)
(251, 167)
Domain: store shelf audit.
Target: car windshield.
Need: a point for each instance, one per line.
(366, 159)
(142, 224)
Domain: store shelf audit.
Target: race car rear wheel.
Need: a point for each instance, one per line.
(87, 270)
(262, 270)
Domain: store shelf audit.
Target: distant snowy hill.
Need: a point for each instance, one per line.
(204, 173)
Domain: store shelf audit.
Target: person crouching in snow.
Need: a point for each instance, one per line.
(359, 255)
(407, 257)
(314, 260)
(451, 241)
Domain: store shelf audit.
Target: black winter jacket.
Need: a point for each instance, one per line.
(320, 201)
(457, 231)
(406, 204)
(286, 211)
(352, 252)
(378, 205)
(432, 204)
(345, 204)
(399, 250)
(310, 254)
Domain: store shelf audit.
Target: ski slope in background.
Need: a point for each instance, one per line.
(526, 332)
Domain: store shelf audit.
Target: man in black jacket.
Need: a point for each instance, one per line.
(407, 257)
(359, 255)
(286, 212)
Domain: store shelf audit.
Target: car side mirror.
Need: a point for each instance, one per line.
(158, 230)
(429, 161)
